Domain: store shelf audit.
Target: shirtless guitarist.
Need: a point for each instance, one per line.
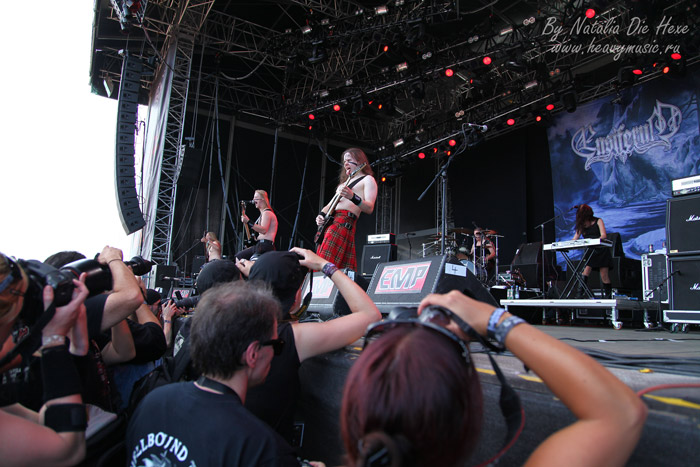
(356, 193)
(265, 227)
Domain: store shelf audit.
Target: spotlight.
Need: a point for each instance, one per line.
(402, 67)
(569, 100)
(510, 121)
(385, 48)
(530, 84)
(666, 69)
(487, 60)
(312, 117)
(626, 76)
(421, 155)
(449, 72)
(398, 142)
(448, 153)
(452, 142)
(435, 150)
(590, 13)
(325, 22)
(538, 118)
(550, 107)
(323, 93)
(306, 29)
(637, 71)
(426, 55)
(676, 56)
(383, 179)
(381, 10)
(336, 107)
(507, 30)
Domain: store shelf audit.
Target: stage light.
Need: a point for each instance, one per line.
(426, 55)
(666, 69)
(421, 155)
(550, 107)
(398, 142)
(510, 121)
(311, 127)
(449, 72)
(381, 10)
(530, 84)
(676, 56)
(435, 150)
(507, 30)
(312, 116)
(487, 60)
(637, 71)
(385, 48)
(402, 67)
(325, 22)
(379, 106)
(323, 93)
(452, 142)
(590, 13)
(383, 179)
(448, 152)
(306, 29)
(538, 118)
(570, 101)
(336, 107)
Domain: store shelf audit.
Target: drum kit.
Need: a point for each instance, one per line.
(458, 243)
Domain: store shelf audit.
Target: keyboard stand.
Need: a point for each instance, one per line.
(577, 273)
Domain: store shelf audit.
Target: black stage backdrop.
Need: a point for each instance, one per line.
(504, 184)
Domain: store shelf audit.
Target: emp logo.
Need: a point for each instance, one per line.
(406, 278)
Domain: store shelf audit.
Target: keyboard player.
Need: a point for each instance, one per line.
(589, 226)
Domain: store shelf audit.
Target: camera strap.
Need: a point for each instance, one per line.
(24, 343)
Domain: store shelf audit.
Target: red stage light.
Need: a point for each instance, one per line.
(637, 71)
(449, 153)
(538, 119)
(383, 179)
(435, 150)
(311, 127)
(452, 142)
(311, 116)
(487, 60)
(336, 107)
(590, 13)
(379, 106)
(421, 155)
(550, 107)
(676, 56)
(510, 121)
(385, 48)
(666, 69)
(449, 72)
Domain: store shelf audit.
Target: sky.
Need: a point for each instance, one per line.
(57, 138)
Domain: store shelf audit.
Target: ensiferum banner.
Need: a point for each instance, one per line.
(619, 154)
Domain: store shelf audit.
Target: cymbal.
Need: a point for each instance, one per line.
(490, 232)
(462, 230)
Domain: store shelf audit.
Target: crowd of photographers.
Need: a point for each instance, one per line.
(85, 343)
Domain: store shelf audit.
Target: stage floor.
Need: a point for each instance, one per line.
(641, 358)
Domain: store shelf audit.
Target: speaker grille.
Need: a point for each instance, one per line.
(683, 225)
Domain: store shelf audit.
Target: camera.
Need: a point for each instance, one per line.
(98, 280)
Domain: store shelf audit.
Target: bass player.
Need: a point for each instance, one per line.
(356, 193)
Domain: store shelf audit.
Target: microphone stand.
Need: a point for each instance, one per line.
(541, 227)
(649, 293)
(442, 174)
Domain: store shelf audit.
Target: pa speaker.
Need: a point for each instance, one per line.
(326, 301)
(191, 167)
(406, 283)
(375, 254)
(683, 225)
(125, 183)
(685, 284)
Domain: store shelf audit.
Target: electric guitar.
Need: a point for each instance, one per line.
(328, 220)
(248, 241)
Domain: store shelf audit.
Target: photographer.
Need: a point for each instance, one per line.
(55, 435)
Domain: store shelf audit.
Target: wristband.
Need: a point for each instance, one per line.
(356, 200)
(50, 341)
(112, 260)
(58, 373)
(322, 214)
(504, 328)
(250, 224)
(66, 417)
(329, 269)
(493, 322)
(167, 321)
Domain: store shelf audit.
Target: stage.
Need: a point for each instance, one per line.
(642, 358)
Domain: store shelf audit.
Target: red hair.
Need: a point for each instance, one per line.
(414, 386)
(584, 214)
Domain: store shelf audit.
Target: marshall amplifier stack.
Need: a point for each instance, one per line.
(380, 248)
(683, 242)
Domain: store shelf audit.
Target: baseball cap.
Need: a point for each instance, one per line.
(216, 271)
(282, 271)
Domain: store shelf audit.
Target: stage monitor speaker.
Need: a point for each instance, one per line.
(326, 301)
(164, 276)
(655, 277)
(406, 283)
(127, 108)
(683, 225)
(528, 260)
(685, 285)
(375, 254)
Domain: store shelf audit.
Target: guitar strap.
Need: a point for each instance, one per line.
(356, 182)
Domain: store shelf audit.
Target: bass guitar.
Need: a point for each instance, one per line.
(248, 241)
(328, 220)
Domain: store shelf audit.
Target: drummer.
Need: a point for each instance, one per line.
(484, 252)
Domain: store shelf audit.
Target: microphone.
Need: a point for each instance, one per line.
(573, 208)
(481, 128)
(250, 201)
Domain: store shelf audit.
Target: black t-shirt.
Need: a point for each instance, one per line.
(180, 424)
(149, 341)
(274, 401)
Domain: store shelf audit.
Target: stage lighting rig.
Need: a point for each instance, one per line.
(129, 12)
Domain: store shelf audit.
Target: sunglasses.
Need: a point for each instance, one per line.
(14, 276)
(277, 345)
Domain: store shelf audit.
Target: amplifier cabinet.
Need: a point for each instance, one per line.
(375, 254)
(685, 286)
(655, 274)
(683, 225)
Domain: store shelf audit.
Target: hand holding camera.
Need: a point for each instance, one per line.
(68, 320)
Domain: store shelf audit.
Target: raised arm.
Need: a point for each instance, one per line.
(121, 348)
(610, 415)
(316, 338)
(126, 293)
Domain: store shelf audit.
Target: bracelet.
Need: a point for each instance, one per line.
(112, 260)
(329, 269)
(167, 321)
(493, 322)
(504, 328)
(66, 417)
(54, 339)
(356, 200)
(58, 373)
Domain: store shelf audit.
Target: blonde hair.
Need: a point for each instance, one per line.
(266, 198)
